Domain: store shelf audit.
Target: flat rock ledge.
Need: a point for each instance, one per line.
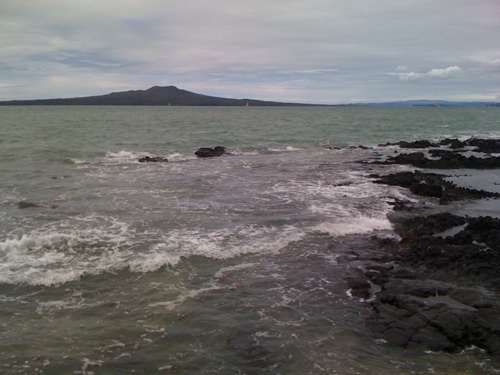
(437, 286)
(438, 292)
(432, 185)
(447, 154)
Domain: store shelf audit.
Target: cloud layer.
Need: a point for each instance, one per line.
(322, 51)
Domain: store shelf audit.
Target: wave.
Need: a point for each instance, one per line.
(54, 256)
(64, 252)
(93, 245)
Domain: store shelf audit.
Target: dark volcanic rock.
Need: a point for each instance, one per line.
(439, 306)
(452, 143)
(155, 159)
(358, 285)
(434, 315)
(480, 145)
(419, 226)
(433, 185)
(27, 204)
(446, 158)
(415, 144)
(485, 145)
(207, 152)
(443, 291)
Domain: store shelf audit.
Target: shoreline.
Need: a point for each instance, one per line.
(438, 286)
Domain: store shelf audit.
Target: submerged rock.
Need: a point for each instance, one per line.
(154, 159)
(207, 152)
(27, 204)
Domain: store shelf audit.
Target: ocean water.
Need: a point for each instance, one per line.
(229, 265)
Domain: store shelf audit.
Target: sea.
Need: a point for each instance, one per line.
(227, 265)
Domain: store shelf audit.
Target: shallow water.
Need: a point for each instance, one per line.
(224, 266)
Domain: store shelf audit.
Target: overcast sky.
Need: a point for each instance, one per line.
(314, 51)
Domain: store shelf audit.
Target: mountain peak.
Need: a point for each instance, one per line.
(163, 88)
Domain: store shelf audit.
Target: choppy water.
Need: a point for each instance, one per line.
(228, 265)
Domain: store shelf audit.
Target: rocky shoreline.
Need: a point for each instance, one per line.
(438, 285)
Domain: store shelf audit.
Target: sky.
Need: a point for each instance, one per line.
(314, 51)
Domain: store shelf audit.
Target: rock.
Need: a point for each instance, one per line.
(433, 340)
(452, 143)
(427, 190)
(434, 290)
(27, 204)
(358, 284)
(416, 144)
(207, 152)
(428, 225)
(485, 145)
(446, 160)
(433, 185)
(155, 159)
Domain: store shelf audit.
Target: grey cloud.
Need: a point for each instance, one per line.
(320, 50)
(436, 73)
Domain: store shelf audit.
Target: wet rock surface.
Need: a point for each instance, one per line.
(476, 144)
(154, 159)
(432, 185)
(207, 152)
(438, 285)
(449, 153)
(441, 293)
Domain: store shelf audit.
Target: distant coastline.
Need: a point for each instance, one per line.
(173, 96)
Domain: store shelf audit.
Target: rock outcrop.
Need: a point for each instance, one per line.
(207, 152)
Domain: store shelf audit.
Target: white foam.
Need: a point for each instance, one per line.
(284, 149)
(360, 225)
(124, 156)
(229, 242)
(159, 256)
(63, 252)
(186, 295)
(59, 253)
(176, 156)
(223, 271)
(79, 161)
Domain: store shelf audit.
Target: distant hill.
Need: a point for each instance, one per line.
(171, 95)
(154, 96)
(432, 103)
